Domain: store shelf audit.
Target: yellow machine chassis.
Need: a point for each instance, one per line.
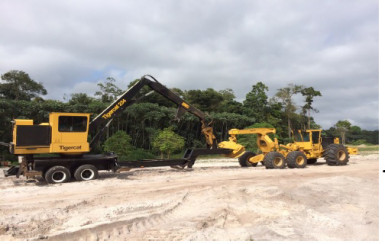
(266, 145)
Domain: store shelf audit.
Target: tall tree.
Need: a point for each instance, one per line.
(309, 93)
(80, 98)
(256, 102)
(208, 100)
(285, 95)
(342, 126)
(229, 104)
(18, 85)
(108, 90)
(227, 94)
(355, 130)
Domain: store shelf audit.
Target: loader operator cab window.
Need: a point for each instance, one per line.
(72, 124)
(297, 137)
(305, 136)
(315, 136)
(301, 137)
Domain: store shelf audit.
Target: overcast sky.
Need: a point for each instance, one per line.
(70, 46)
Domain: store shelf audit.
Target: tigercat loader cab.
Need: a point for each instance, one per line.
(65, 133)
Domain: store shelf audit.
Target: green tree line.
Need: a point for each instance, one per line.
(21, 97)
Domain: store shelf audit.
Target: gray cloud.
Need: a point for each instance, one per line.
(331, 45)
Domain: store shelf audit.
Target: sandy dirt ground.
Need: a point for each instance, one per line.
(216, 200)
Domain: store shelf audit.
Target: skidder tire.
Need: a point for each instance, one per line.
(336, 155)
(311, 160)
(274, 160)
(296, 159)
(244, 159)
(86, 172)
(57, 174)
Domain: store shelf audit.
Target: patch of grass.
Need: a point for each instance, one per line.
(137, 154)
(369, 148)
(175, 155)
(372, 148)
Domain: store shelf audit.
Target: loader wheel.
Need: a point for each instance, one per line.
(336, 154)
(57, 174)
(296, 159)
(311, 160)
(274, 160)
(244, 159)
(86, 172)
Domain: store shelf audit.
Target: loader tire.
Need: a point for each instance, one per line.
(244, 159)
(274, 160)
(311, 160)
(57, 174)
(336, 155)
(296, 159)
(86, 172)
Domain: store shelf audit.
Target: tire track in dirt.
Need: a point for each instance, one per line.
(119, 230)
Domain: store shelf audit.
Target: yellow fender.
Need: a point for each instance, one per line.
(257, 158)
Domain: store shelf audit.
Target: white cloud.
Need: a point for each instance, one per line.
(329, 44)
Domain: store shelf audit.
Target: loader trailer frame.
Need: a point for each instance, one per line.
(62, 169)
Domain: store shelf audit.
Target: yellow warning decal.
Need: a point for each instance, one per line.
(185, 105)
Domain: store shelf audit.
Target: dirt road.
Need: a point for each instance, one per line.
(217, 200)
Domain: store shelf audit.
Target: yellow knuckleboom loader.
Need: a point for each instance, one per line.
(308, 146)
(66, 141)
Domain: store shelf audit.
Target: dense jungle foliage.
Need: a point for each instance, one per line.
(21, 97)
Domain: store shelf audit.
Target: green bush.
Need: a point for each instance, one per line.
(139, 154)
(167, 141)
(359, 142)
(119, 143)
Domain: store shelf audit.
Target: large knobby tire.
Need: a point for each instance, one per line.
(244, 159)
(311, 160)
(86, 172)
(336, 155)
(296, 159)
(274, 160)
(57, 174)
